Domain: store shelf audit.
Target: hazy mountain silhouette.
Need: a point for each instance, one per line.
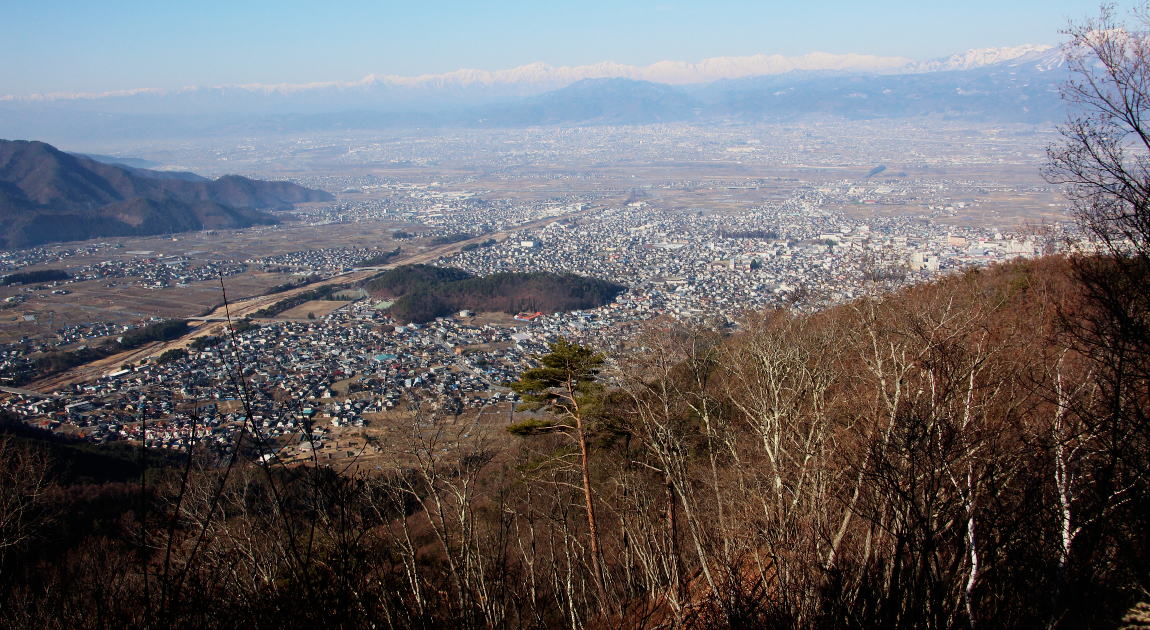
(598, 101)
(121, 161)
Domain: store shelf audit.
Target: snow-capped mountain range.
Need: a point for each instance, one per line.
(547, 76)
(1015, 84)
(1044, 54)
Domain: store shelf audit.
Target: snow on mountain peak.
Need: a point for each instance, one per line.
(670, 72)
(540, 76)
(979, 57)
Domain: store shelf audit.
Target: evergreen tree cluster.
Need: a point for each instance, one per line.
(33, 277)
(426, 292)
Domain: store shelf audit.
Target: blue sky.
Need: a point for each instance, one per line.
(91, 45)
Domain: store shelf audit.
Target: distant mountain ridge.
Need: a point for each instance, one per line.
(996, 85)
(120, 161)
(668, 71)
(982, 57)
(597, 101)
(47, 195)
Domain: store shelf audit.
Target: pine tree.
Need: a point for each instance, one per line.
(565, 387)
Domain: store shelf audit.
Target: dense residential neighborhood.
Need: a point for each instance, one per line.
(349, 367)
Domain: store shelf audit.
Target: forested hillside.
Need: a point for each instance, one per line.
(971, 452)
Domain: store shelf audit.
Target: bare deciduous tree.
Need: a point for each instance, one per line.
(1104, 157)
(23, 480)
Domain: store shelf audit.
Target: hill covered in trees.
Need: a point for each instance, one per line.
(47, 195)
(424, 292)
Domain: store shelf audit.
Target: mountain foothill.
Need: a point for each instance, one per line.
(47, 195)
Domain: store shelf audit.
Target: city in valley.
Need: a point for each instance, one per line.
(699, 226)
(592, 315)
